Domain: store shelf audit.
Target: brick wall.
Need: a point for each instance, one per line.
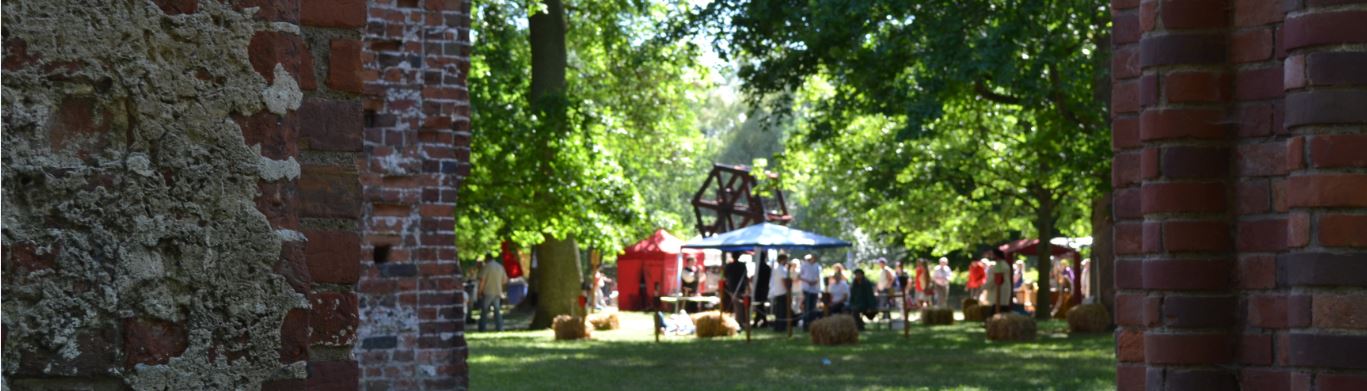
(321, 208)
(1240, 193)
(412, 70)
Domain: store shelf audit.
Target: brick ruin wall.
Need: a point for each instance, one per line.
(417, 138)
(193, 190)
(1240, 193)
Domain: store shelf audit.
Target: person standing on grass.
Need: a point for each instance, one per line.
(761, 290)
(778, 293)
(887, 284)
(923, 290)
(903, 288)
(736, 281)
(941, 276)
(863, 304)
(811, 289)
(492, 279)
(977, 275)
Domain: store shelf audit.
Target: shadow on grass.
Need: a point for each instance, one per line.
(941, 357)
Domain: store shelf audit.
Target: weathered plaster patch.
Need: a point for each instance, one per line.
(273, 170)
(284, 94)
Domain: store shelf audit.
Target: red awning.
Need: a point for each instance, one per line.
(1030, 247)
(659, 244)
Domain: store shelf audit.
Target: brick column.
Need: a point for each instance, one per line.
(1187, 264)
(1259, 186)
(1241, 200)
(1324, 275)
(315, 212)
(1128, 229)
(414, 57)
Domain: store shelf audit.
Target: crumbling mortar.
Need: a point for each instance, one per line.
(150, 213)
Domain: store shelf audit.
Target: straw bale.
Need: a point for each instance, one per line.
(570, 327)
(835, 330)
(937, 316)
(1011, 327)
(605, 321)
(715, 324)
(1089, 318)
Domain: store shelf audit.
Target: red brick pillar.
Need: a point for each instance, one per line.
(1178, 290)
(1324, 274)
(1128, 229)
(1259, 186)
(1241, 193)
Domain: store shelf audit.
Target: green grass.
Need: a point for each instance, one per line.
(942, 357)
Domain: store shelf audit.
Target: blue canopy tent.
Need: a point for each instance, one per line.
(764, 236)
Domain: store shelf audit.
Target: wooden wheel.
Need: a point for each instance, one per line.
(728, 200)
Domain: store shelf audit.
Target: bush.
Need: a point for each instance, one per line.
(835, 330)
(570, 327)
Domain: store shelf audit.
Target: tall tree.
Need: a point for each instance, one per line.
(571, 126)
(937, 121)
(557, 279)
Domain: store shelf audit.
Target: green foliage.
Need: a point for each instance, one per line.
(933, 124)
(613, 174)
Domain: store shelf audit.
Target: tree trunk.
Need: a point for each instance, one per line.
(1044, 228)
(558, 279)
(549, 59)
(557, 275)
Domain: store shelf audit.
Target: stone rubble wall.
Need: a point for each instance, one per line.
(194, 188)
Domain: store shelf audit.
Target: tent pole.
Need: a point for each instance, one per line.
(748, 314)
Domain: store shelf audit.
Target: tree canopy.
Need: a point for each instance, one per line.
(627, 132)
(934, 123)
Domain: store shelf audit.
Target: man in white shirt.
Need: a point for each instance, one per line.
(492, 278)
(778, 292)
(840, 293)
(811, 289)
(941, 277)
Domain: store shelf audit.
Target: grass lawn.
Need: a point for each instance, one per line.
(941, 357)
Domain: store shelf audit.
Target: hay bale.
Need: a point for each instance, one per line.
(715, 324)
(835, 330)
(973, 312)
(970, 302)
(1010, 327)
(570, 327)
(937, 316)
(605, 321)
(1089, 318)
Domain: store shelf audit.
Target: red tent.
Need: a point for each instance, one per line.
(648, 269)
(1030, 247)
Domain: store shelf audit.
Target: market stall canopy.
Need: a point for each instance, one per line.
(1030, 246)
(650, 268)
(660, 243)
(766, 235)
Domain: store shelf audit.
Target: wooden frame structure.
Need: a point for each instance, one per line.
(730, 196)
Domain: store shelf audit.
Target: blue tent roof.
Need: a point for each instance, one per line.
(766, 235)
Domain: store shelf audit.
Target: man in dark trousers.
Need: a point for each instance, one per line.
(761, 291)
(736, 281)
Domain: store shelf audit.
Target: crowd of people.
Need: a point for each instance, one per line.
(789, 292)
